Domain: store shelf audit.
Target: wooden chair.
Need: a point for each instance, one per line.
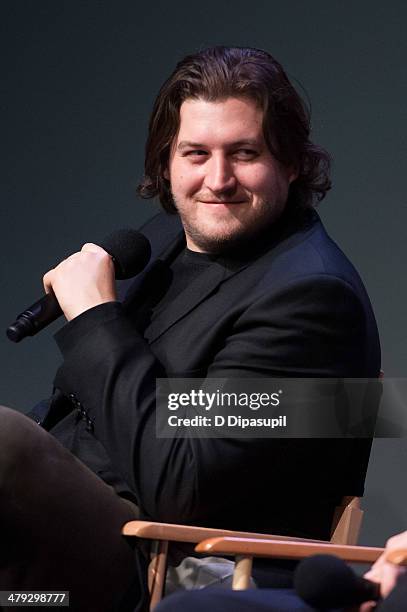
(245, 549)
(345, 531)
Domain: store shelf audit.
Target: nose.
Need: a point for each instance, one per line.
(220, 177)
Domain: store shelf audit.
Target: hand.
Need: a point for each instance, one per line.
(385, 573)
(82, 281)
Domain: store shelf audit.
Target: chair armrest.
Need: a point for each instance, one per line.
(186, 533)
(254, 547)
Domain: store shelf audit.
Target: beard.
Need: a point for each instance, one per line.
(221, 244)
(234, 236)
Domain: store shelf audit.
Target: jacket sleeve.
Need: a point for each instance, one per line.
(111, 371)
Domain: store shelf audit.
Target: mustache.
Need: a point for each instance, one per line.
(211, 199)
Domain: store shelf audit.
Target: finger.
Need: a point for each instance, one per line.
(378, 564)
(90, 247)
(373, 575)
(368, 606)
(390, 575)
(397, 541)
(102, 255)
(47, 281)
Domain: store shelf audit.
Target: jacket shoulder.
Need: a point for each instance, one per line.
(161, 230)
(308, 251)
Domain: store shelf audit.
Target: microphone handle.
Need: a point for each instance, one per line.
(35, 318)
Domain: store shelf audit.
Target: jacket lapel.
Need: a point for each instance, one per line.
(200, 289)
(203, 286)
(135, 293)
(197, 291)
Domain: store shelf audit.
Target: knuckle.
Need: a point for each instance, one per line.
(90, 247)
(69, 261)
(105, 256)
(391, 541)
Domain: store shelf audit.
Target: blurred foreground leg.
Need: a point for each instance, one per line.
(222, 600)
(60, 524)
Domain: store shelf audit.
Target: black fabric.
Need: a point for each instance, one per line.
(186, 268)
(223, 600)
(295, 306)
(291, 305)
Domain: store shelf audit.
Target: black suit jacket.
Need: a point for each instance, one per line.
(291, 306)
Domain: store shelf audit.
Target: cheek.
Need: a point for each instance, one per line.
(186, 181)
(260, 181)
(276, 181)
(180, 185)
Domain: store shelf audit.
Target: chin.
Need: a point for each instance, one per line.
(218, 242)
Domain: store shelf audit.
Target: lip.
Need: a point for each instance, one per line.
(216, 203)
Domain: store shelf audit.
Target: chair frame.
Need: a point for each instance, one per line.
(245, 549)
(345, 531)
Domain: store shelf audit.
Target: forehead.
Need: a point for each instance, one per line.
(220, 120)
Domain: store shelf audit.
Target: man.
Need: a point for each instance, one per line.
(248, 284)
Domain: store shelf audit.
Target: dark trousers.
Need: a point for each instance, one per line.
(60, 524)
(223, 600)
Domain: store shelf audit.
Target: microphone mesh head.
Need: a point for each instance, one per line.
(130, 250)
(324, 581)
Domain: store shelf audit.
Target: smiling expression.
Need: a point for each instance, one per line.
(225, 183)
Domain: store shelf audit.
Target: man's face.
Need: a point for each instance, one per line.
(225, 183)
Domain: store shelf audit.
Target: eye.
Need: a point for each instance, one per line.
(246, 154)
(196, 156)
(195, 152)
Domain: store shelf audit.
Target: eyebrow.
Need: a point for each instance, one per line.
(184, 144)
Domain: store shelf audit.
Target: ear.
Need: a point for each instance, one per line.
(292, 173)
(166, 174)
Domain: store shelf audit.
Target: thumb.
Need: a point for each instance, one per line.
(90, 247)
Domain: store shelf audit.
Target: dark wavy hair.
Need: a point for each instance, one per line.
(221, 72)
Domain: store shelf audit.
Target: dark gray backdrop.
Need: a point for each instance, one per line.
(79, 79)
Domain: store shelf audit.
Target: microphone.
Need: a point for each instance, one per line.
(130, 251)
(325, 581)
